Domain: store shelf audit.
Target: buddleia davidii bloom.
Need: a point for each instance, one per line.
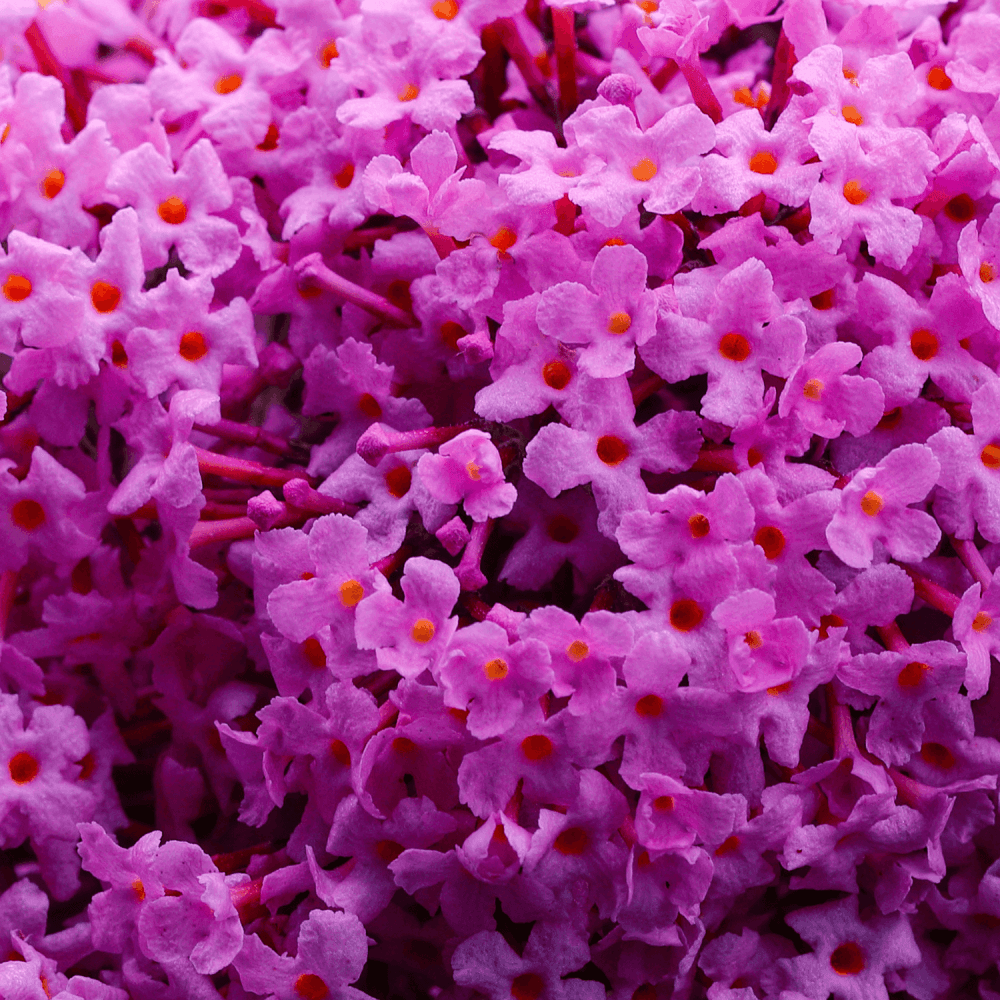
(903, 682)
(42, 513)
(350, 382)
(488, 964)
(752, 161)
(468, 469)
(850, 957)
(559, 530)
(497, 681)
(969, 489)
(365, 886)
(921, 342)
(331, 952)
(856, 196)
(976, 626)
(411, 635)
(179, 209)
(604, 447)
(40, 795)
(874, 506)
(339, 577)
(606, 323)
(733, 332)
(413, 85)
(659, 167)
(183, 342)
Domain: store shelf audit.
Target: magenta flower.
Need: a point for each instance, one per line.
(874, 506)
(331, 952)
(764, 651)
(179, 209)
(412, 635)
(468, 469)
(497, 681)
(609, 322)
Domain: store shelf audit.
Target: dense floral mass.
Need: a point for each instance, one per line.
(499, 499)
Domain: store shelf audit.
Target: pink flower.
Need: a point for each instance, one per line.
(497, 681)
(874, 506)
(607, 324)
(467, 469)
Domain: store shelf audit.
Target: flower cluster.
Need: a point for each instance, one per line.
(499, 498)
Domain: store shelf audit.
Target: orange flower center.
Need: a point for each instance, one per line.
(496, 670)
(423, 630)
(912, 674)
(813, 389)
(527, 986)
(227, 84)
(172, 211)
(855, 193)
(612, 450)
(822, 300)
(556, 375)
(327, 54)
(852, 115)
(409, 93)
(649, 706)
(344, 176)
(753, 639)
(734, 347)
(644, 170)
(981, 622)
(53, 183)
(619, 323)
(310, 987)
(698, 525)
(771, 540)
(16, 288)
(577, 650)
(105, 297)
(447, 10)
(350, 593)
(397, 481)
(924, 345)
(504, 238)
(572, 841)
(193, 346)
(562, 529)
(986, 272)
(990, 456)
(938, 78)
(23, 768)
(872, 503)
(847, 959)
(763, 162)
(686, 615)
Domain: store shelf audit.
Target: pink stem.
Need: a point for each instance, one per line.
(76, 96)
(212, 532)
(844, 743)
(378, 305)
(510, 36)
(701, 90)
(300, 494)
(974, 561)
(243, 470)
(912, 793)
(468, 572)
(231, 430)
(932, 593)
(379, 440)
(893, 637)
(564, 34)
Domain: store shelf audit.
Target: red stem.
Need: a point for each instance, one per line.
(564, 33)
(784, 62)
(701, 89)
(932, 593)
